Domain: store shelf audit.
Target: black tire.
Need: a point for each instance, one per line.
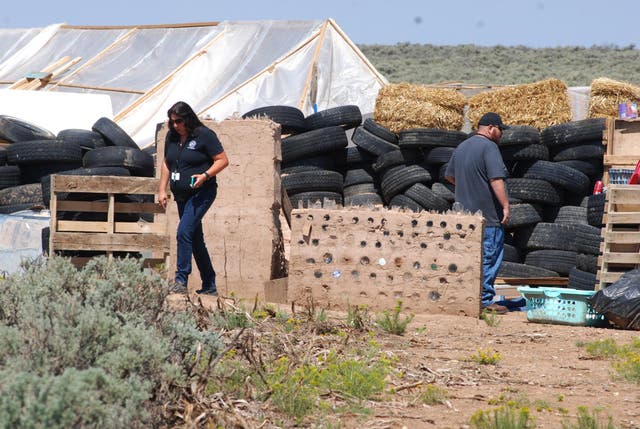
(138, 162)
(397, 179)
(439, 155)
(430, 137)
(86, 139)
(581, 280)
(527, 152)
(358, 176)
(313, 143)
(44, 151)
(112, 133)
(561, 175)
(309, 199)
(35, 172)
(335, 161)
(511, 254)
(321, 180)
(347, 117)
(586, 262)
(356, 155)
(45, 233)
(560, 261)
(595, 209)
(519, 135)
(16, 130)
(444, 190)
(12, 208)
(582, 150)
(3, 155)
(9, 176)
(593, 167)
(404, 202)
(45, 183)
(522, 215)
(291, 119)
(573, 132)
(534, 191)
(571, 215)
(427, 199)
(22, 194)
(371, 143)
(378, 130)
(395, 158)
(512, 269)
(363, 188)
(588, 239)
(547, 236)
(368, 199)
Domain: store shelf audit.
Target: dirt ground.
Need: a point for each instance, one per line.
(540, 362)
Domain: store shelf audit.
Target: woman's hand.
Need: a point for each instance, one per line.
(199, 180)
(162, 199)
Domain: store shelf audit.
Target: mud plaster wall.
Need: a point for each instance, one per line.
(342, 257)
(241, 229)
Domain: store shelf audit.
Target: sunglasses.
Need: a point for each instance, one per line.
(176, 121)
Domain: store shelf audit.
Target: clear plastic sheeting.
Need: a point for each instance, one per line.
(20, 238)
(221, 69)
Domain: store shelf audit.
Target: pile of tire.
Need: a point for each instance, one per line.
(555, 223)
(33, 154)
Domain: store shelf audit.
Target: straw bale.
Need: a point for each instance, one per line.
(607, 93)
(539, 104)
(403, 106)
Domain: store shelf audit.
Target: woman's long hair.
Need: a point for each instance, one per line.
(184, 111)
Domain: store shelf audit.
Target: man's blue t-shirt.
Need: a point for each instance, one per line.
(473, 164)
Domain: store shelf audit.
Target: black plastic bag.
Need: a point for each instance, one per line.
(620, 302)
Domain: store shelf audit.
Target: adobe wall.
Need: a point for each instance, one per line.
(341, 257)
(242, 228)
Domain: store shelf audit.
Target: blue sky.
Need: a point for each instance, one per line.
(534, 23)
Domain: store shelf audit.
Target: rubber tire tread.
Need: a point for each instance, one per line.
(86, 139)
(346, 117)
(511, 253)
(523, 214)
(428, 199)
(17, 130)
(378, 130)
(402, 201)
(112, 134)
(291, 119)
(529, 152)
(320, 180)
(335, 161)
(566, 177)
(534, 191)
(586, 262)
(444, 190)
(595, 209)
(9, 176)
(592, 167)
(574, 151)
(513, 269)
(138, 162)
(560, 261)
(397, 179)
(549, 236)
(44, 152)
(581, 280)
(358, 176)
(430, 137)
(362, 188)
(573, 132)
(313, 143)
(395, 158)
(439, 155)
(366, 199)
(588, 239)
(371, 143)
(571, 215)
(519, 135)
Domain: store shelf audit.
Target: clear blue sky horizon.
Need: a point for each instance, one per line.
(532, 23)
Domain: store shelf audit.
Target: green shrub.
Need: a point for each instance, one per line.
(391, 321)
(589, 420)
(506, 416)
(91, 347)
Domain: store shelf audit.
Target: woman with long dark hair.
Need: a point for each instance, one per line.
(193, 156)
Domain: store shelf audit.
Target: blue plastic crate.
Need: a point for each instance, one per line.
(561, 306)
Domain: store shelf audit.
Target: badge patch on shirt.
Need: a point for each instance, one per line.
(192, 144)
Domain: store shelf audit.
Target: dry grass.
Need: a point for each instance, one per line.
(538, 104)
(404, 106)
(606, 94)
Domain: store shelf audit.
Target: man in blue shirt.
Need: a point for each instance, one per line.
(477, 170)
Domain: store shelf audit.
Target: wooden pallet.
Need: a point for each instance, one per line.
(108, 235)
(621, 233)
